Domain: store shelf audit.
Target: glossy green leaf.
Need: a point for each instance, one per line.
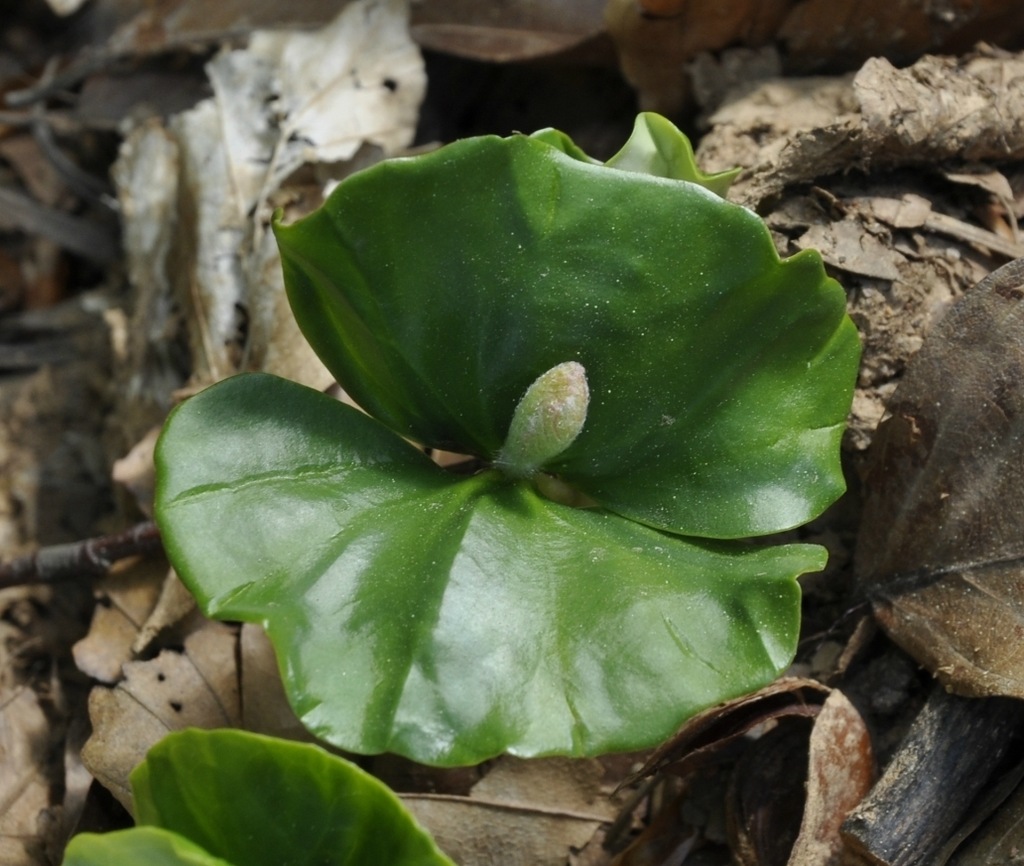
(233, 798)
(449, 618)
(658, 148)
(258, 801)
(139, 846)
(438, 288)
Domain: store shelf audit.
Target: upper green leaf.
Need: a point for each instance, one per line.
(438, 288)
(656, 147)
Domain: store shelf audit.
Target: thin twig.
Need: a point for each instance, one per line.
(90, 558)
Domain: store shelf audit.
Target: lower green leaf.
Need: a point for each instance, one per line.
(259, 801)
(140, 845)
(449, 619)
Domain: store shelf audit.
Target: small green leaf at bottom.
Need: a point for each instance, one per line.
(139, 846)
(260, 801)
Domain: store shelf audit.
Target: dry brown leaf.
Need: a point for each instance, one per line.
(204, 186)
(225, 677)
(653, 52)
(796, 784)
(698, 740)
(24, 784)
(136, 473)
(810, 34)
(845, 244)
(174, 604)
(502, 32)
(840, 772)
(197, 687)
(265, 706)
(125, 600)
(766, 795)
(940, 551)
(531, 813)
(845, 32)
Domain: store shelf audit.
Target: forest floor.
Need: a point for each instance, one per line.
(900, 158)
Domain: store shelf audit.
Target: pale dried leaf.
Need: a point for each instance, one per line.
(135, 471)
(289, 99)
(125, 600)
(573, 785)
(846, 245)
(225, 677)
(475, 833)
(24, 785)
(529, 812)
(198, 687)
(174, 603)
(840, 773)
(503, 32)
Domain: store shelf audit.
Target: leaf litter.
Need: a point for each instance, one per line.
(929, 208)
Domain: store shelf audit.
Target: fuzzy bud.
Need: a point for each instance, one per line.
(547, 420)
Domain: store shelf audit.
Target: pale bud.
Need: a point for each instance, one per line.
(547, 420)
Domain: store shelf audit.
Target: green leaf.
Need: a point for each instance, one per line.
(150, 846)
(438, 288)
(258, 801)
(658, 148)
(448, 618)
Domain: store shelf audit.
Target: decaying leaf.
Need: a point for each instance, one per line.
(766, 799)
(125, 600)
(501, 32)
(801, 760)
(223, 676)
(197, 687)
(840, 34)
(940, 551)
(709, 732)
(827, 168)
(792, 791)
(205, 186)
(839, 774)
(522, 813)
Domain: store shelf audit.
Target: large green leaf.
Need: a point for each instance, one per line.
(450, 618)
(438, 288)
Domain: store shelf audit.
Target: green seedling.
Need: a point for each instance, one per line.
(232, 798)
(615, 336)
